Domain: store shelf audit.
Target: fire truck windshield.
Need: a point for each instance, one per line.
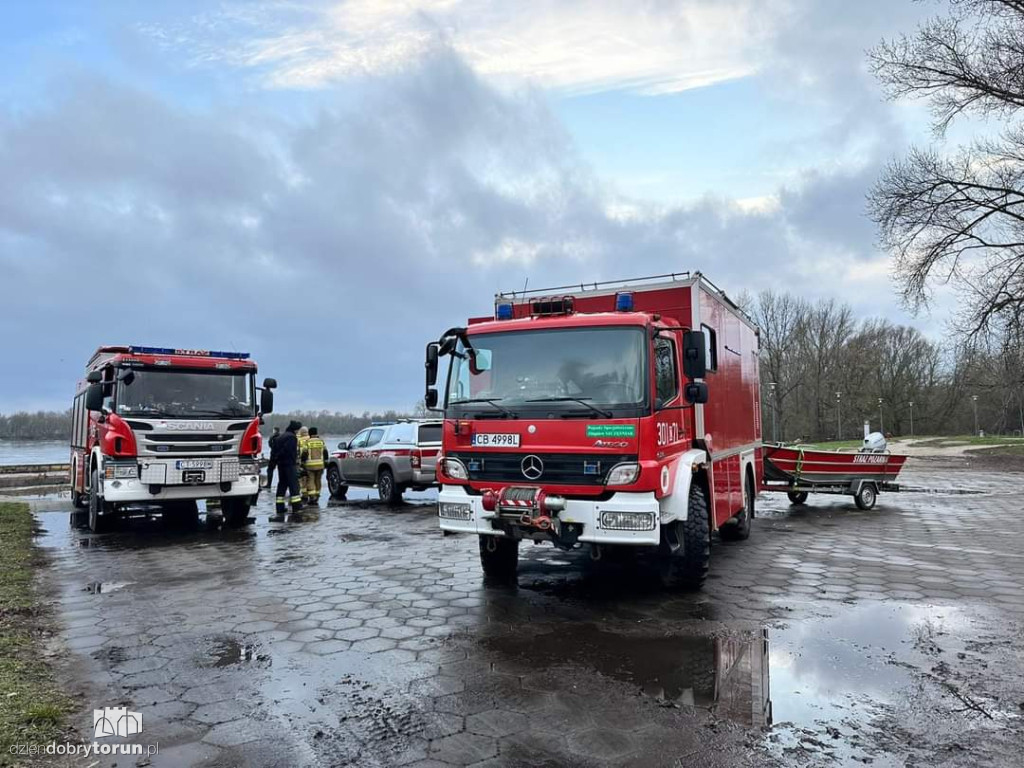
(552, 370)
(184, 394)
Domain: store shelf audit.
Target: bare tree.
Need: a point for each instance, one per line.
(959, 219)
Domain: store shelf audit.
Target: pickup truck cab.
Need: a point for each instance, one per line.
(392, 458)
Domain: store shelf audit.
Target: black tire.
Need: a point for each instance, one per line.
(740, 529)
(500, 564)
(235, 512)
(388, 490)
(866, 497)
(337, 488)
(686, 566)
(797, 497)
(98, 523)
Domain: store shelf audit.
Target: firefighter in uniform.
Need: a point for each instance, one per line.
(300, 463)
(316, 453)
(288, 472)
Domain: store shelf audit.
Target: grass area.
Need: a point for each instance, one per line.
(1017, 449)
(963, 440)
(32, 708)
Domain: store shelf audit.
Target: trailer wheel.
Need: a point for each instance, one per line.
(98, 523)
(797, 497)
(866, 496)
(686, 566)
(499, 558)
(740, 529)
(236, 512)
(337, 488)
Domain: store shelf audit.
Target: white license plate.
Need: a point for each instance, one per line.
(193, 464)
(496, 439)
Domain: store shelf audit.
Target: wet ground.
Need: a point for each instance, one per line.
(363, 636)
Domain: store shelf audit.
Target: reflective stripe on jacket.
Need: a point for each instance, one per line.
(316, 450)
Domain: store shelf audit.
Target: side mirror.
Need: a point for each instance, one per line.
(270, 384)
(126, 377)
(94, 376)
(430, 401)
(480, 361)
(695, 364)
(266, 401)
(343, 445)
(696, 392)
(433, 351)
(94, 397)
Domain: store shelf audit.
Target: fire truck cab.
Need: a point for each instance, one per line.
(161, 427)
(610, 415)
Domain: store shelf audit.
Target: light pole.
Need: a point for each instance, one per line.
(839, 416)
(881, 417)
(911, 418)
(775, 417)
(974, 402)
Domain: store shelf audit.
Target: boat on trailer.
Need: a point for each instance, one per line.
(799, 471)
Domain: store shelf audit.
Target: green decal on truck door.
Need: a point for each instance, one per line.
(611, 430)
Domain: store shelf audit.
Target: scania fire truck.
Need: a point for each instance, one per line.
(610, 415)
(161, 427)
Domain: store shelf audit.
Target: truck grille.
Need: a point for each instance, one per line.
(558, 468)
(168, 444)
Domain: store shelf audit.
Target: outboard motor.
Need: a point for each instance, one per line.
(874, 443)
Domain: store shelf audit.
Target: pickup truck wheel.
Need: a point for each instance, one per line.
(387, 489)
(98, 523)
(797, 497)
(334, 484)
(687, 566)
(236, 512)
(740, 529)
(866, 497)
(499, 559)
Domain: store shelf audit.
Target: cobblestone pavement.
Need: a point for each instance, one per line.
(363, 636)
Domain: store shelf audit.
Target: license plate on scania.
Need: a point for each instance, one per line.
(496, 439)
(193, 464)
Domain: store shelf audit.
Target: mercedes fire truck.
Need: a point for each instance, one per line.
(609, 415)
(154, 426)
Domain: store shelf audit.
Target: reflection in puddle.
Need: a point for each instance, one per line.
(727, 674)
(226, 652)
(101, 587)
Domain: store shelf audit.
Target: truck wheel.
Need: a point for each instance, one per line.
(98, 523)
(499, 558)
(866, 497)
(687, 566)
(797, 497)
(334, 484)
(235, 512)
(387, 489)
(740, 529)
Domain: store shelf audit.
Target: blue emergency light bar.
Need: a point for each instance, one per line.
(504, 311)
(189, 353)
(624, 301)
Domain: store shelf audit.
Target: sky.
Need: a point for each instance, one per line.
(330, 184)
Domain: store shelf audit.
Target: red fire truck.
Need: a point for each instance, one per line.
(611, 415)
(166, 427)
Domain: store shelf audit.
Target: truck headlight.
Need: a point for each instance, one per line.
(453, 511)
(455, 469)
(120, 471)
(623, 474)
(627, 521)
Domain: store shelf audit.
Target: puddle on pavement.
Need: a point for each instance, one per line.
(820, 682)
(105, 587)
(227, 652)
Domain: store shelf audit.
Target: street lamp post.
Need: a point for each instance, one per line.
(911, 418)
(881, 417)
(974, 402)
(839, 417)
(775, 417)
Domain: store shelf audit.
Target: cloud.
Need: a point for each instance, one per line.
(335, 246)
(648, 46)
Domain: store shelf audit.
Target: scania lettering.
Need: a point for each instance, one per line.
(615, 415)
(161, 428)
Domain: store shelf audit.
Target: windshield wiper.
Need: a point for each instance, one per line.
(492, 401)
(581, 400)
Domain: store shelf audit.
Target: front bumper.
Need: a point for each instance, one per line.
(580, 511)
(125, 491)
